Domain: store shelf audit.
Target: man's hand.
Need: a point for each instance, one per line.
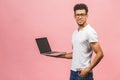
(84, 72)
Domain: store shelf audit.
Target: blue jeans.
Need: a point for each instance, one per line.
(76, 76)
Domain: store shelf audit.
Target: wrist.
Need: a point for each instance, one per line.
(88, 69)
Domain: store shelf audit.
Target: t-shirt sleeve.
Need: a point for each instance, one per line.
(92, 37)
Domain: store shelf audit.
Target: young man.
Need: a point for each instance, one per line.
(84, 42)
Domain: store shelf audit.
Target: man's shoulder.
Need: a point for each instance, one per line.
(90, 29)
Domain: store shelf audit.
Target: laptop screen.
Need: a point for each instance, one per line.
(43, 45)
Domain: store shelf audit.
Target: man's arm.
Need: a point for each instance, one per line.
(99, 55)
(66, 56)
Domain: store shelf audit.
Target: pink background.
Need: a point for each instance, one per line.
(21, 21)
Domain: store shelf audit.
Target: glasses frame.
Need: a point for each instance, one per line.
(80, 15)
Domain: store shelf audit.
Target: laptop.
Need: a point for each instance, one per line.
(45, 49)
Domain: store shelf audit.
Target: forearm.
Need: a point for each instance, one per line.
(96, 60)
(66, 56)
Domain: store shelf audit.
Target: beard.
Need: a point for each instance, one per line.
(80, 24)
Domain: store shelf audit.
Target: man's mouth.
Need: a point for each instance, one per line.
(79, 21)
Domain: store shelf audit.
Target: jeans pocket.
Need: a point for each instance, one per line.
(79, 74)
(86, 78)
(89, 76)
(83, 77)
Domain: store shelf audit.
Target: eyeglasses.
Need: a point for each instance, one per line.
(80, 15)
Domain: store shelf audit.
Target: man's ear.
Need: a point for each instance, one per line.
(87, 15)
(74, 15)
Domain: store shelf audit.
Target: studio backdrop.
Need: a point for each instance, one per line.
(21, 21)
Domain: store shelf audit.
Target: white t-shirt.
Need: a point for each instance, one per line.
(82, 51)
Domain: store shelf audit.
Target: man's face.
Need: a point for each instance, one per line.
(81, 17)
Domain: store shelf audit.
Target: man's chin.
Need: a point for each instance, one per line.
(80, 24)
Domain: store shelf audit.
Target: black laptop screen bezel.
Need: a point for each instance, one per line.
(43, 45)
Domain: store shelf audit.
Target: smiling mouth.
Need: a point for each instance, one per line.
(80, 21)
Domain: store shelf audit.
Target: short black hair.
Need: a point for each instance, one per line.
(80, 7)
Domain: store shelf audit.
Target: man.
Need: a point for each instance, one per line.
(84, 42)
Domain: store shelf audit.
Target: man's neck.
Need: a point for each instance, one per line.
(81, 26)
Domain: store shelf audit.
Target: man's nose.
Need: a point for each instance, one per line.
(80, 16)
